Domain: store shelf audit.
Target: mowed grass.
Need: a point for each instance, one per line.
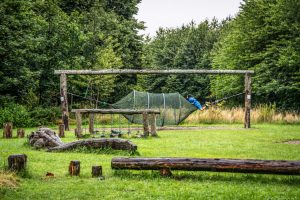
(260, 142)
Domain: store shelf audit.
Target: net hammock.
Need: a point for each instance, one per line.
(173, 107)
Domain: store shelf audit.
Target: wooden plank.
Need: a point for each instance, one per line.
(152, 71)
(247, 101)
(209, 164)
(117, 111)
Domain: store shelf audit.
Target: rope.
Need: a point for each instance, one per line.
(90, 99)
(228, 97)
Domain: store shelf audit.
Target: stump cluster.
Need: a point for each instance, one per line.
(44, 137)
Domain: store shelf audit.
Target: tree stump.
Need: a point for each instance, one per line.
(74, 168)
(165, 172)
(20, 133)
(61, 130)
(17, 162)
(96, 171)
(7, 130)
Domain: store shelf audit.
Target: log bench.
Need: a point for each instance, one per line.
(149, 118)
(165, 165)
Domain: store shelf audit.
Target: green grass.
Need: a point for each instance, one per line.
(260, 142)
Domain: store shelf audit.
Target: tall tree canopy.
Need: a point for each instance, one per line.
(38, 36)
(263, 37)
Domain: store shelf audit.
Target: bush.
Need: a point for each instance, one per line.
(20, 116)
(15, 113)
(44, 116)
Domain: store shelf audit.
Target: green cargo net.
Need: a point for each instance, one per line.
(173, 107)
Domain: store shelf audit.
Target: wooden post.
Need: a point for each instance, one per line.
(146, 124)
(78, 129)
(17, 162)
(74, 168)
(61, 130)
(7, 130)
(91, 123)
(152, 121)
(20, 133)
(96, 171)
(64, 100)
(247, 100)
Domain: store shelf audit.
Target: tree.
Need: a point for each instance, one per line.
(263, 37)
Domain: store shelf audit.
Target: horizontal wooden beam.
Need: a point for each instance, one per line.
(117, 111)
(151, 71)
(219, 165)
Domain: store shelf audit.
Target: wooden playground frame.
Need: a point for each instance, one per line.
(63, 83)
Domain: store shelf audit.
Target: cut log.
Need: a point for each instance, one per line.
(96, 171)
(218, 165)
(20, 133)
(7, 130)
(17, 162)
(98, 143)
(61, 130)
(74, 168)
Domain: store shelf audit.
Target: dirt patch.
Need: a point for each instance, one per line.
(292, 142)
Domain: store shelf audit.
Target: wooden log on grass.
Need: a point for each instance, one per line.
(7, 130)
(20, 133)
(17, 162)
(96, 171)
(97, 143)
(74, 168)
(209, 164)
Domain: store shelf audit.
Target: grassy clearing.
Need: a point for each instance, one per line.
(260, 142)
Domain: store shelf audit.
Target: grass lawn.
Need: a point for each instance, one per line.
(260, 142)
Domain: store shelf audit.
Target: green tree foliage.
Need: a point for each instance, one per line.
(37, 37)
(187, 47)
(263, 37)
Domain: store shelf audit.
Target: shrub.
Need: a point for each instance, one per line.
(44, 116)
(15, 113)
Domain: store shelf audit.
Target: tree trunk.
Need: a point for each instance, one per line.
(61, 130)
(20, 133)
(74, 168)
(7, 130)
(96, 171)
(17, 162)
(219, 165)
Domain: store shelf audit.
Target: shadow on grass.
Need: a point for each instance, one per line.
(235, 178)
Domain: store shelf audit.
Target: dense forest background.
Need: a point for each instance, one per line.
(37, 37)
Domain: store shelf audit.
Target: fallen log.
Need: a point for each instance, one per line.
(98, 143)
(209, 164)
